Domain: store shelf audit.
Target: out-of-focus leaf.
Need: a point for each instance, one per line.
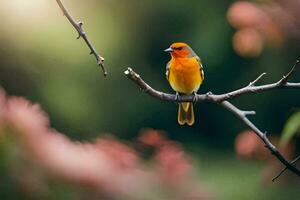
(290, 129)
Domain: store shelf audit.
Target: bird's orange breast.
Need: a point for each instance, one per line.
(185, 75)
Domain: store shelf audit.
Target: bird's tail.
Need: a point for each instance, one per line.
(186, 113)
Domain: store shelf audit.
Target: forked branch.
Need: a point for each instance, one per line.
(217, 98)
(222, 99)
(284, 169)
(82, 34)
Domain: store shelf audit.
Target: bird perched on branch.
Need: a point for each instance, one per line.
(185, 75)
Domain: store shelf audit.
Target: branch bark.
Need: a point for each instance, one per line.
(82, 34)
(222, 100)
(242, 115)
(284, 169)
(217, 98)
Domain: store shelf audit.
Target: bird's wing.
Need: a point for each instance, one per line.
(193, 54)
(201, 66)
(168, 70)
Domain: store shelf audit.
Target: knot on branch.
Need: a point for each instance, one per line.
(80, 30)
(131, 74)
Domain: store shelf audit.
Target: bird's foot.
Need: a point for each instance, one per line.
(177, 97)
(194, 97)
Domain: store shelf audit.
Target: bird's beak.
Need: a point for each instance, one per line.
(169, 50)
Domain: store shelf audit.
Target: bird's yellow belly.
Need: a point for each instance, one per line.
(185, 79)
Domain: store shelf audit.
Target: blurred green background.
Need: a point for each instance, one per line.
(41, 60)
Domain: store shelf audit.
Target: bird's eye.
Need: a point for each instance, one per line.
(179, 48)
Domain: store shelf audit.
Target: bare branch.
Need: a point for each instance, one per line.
(242, 116)
(209, 97)
(285, 78)
(222, 100)
(284, 169)
(82, 34)
(256, 80)
(251, 88)
(249, 113)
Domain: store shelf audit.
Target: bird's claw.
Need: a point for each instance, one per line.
(194, 97)
(177, 97)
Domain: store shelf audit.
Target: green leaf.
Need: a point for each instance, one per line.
(290, 129)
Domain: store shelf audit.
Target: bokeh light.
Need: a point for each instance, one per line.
(24, 8)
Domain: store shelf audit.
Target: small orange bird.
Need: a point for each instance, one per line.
(185, 75)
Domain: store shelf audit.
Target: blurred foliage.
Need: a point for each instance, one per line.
(291, 128)
(41, 60)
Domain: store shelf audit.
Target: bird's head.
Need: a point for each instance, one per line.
(180, 49)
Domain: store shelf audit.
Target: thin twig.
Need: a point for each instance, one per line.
(82, 34)
(284, 169)
(285, 78)
(256, 80)
(222, 100)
